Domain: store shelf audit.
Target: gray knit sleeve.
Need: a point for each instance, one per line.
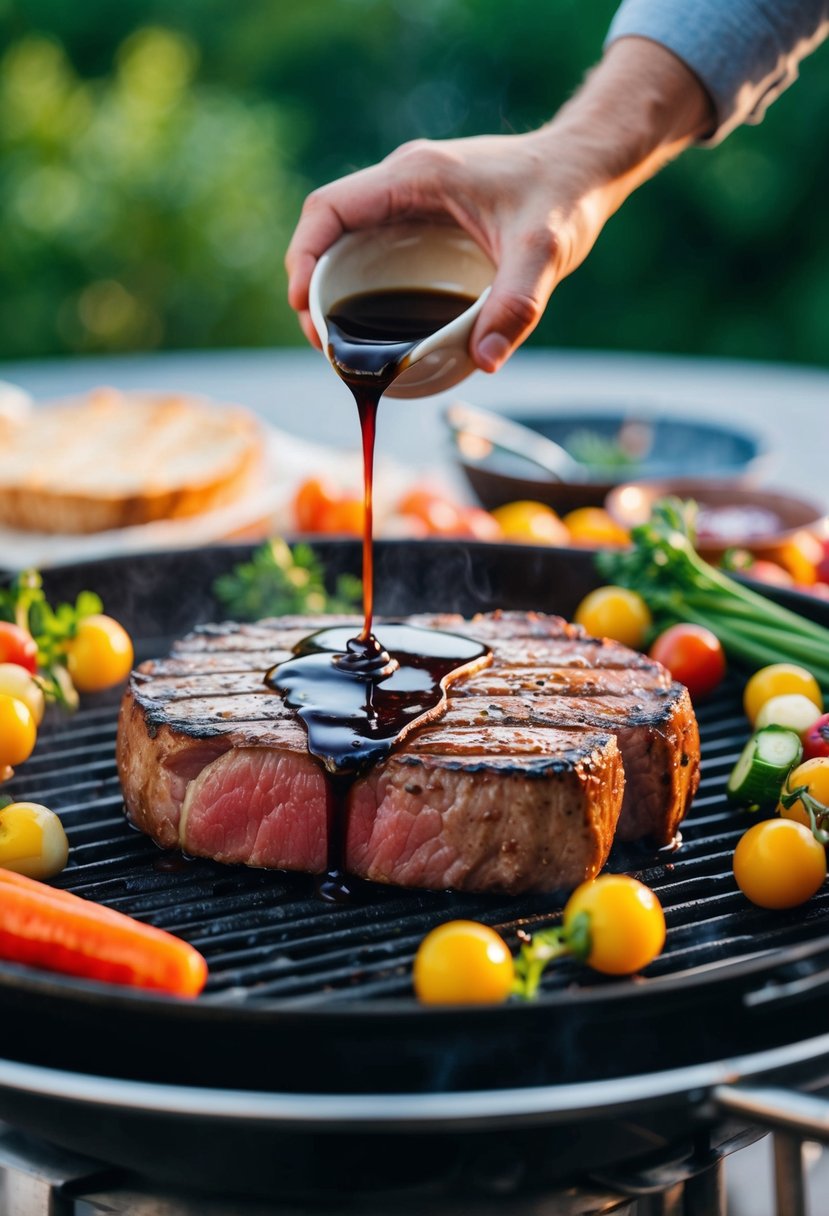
(745, 52)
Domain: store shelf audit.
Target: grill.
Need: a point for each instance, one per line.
(305, 998)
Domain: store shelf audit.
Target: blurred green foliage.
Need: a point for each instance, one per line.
(154, 156)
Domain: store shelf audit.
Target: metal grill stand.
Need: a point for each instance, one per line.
(37, 1179)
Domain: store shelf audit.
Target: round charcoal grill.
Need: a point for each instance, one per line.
(307, 1045)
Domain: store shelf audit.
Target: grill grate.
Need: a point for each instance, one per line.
(266, 937)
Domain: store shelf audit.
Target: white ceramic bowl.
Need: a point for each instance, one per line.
(412, 255)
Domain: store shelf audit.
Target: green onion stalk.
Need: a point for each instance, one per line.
(679, 586)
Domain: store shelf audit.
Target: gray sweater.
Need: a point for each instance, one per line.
(745, 52)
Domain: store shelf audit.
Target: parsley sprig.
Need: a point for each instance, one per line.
(280, 581)
(23, 601)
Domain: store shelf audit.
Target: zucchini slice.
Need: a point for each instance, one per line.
(765, 763)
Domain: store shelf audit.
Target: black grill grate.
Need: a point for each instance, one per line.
(266, 937)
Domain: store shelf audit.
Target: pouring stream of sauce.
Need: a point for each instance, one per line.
(356, 698)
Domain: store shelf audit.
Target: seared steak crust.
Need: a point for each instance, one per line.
(518, 787)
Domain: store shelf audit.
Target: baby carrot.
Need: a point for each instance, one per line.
(44, 927)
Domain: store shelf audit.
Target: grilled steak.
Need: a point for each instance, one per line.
(517, 787)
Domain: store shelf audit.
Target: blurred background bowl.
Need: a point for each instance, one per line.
(616, 447)
(731, 516)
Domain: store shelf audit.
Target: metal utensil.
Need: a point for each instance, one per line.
(500, 432)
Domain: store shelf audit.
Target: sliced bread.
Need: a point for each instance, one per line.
(114, 459)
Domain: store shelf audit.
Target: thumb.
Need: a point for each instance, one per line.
(523, 284)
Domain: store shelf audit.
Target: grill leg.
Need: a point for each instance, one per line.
(705, 1193)
(789, 1185)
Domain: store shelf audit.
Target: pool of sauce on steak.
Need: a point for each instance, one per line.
(359, 696)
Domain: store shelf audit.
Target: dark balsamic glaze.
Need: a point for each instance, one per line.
(370, 337)
(356, 714)
(356, 698)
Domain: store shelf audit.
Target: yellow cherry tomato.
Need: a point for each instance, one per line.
(463, 963)
(32, 840)
(17, 731)
(779, 864)
(814, 775)
(532, 523)
(100, 655)
(777, 680)
(594, 526)
(615, 612)
(15, 681)
(627, 924)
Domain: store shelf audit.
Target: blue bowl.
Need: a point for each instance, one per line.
(654, 448)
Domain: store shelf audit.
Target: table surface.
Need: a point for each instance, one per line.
(296, 390)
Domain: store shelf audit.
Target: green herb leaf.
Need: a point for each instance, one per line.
(24, 602)
(278, 581)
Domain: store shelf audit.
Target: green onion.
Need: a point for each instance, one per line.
(678, 586)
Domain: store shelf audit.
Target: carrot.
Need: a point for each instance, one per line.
(44, 927)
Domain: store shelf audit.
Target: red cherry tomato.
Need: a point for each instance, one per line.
(693, 656)
(17, 646)
(816, 740)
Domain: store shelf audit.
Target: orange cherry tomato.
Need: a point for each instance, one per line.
(593, 526)
(779, 864)
(463, 963)
(693, 655)
(531, 523)
(18, 732)
(344, 518)
(100, 655)
(615, 612)
(812, 776)
(780, 680)
(314, 498)
(801, 555)
(627, 924)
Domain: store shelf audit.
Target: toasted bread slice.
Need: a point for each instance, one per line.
(113, 459)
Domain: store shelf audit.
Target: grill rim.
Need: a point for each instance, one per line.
(483, 1109)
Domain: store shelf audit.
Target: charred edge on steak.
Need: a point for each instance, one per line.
(562, 725)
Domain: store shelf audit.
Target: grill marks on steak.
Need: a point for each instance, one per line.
(517, 787)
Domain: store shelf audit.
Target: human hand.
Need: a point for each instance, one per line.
(534, 202)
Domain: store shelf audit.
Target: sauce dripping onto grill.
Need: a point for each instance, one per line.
(357, 698)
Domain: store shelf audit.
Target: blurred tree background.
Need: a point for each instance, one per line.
(154, 156)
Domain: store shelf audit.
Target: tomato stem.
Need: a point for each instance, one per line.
(817, 811)
(545, 946)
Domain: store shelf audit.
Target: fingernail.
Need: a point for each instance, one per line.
(492, 351)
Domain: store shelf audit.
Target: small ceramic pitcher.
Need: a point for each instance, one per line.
(409, 256)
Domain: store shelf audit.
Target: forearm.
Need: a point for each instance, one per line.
(635, 111)
(745, 52)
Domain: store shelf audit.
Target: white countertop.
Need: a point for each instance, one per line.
(296, 390)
